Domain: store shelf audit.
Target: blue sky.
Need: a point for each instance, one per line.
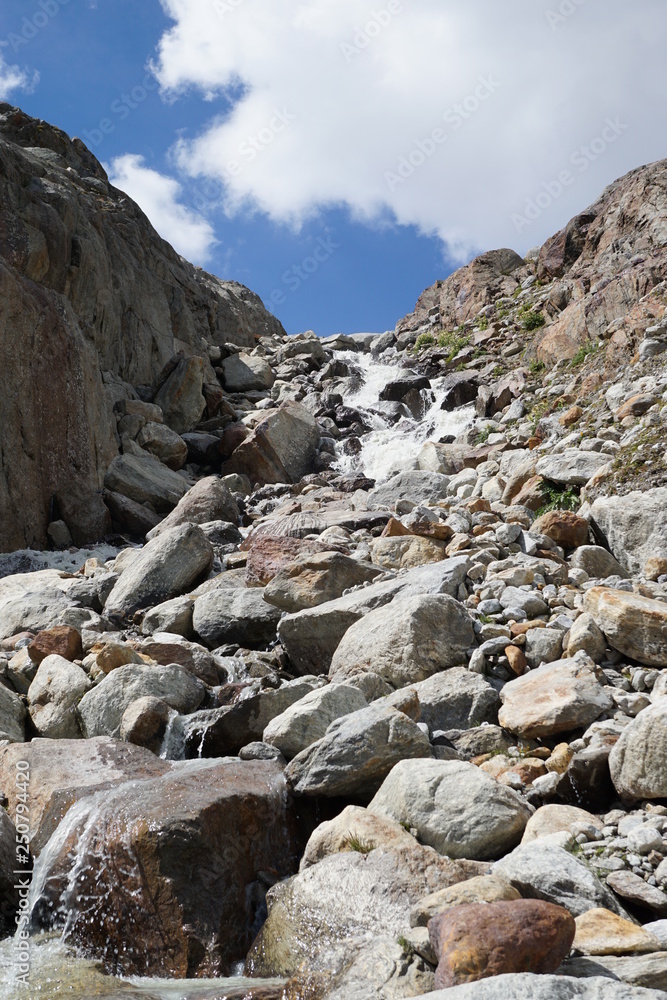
(339, 156)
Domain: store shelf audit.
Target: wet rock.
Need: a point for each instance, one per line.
(455, 807)
(527, 986)
(245, 373)
(633, 526)
(165, 444)
(600, 932)
(165, 567)
(419, 487)
(181, 398)
(280, 449)
(144, 722)
(480, 940)
(62, 641)
(53, 696)
(345, 896)
(556, 698)
(101, 710)
(571, 467)
(171, 916)
(308, 719)
(311, 580)
(406, 641)
(355, 829)
(541, 871)
(356, 754)
(235, 616)
(460, 388)
(479, 889)
(208, 500)
(635, 625)
(146, 481)
(565, 528)
(311, 637)
(12, 849)
(638, 761)
(64, 771)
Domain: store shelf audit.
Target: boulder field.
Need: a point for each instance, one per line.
(347, 663)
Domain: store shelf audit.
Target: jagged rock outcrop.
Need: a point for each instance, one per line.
(92, 302)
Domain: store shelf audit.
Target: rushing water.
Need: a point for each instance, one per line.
(392, 447)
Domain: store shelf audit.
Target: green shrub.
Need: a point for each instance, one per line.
(424, 340)
(533, 320)
(537, 366)
(558, 498)
(584, 351)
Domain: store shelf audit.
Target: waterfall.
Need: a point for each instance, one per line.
(389, 447)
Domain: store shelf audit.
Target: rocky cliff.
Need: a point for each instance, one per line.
(92, 301)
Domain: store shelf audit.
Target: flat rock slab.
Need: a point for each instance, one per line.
(527, 986)
(636, 626)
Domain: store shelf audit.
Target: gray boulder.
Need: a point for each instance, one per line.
(12, 716)
(638, 761)
(526, 986)
(634, 526)
(180, 396)
(456, 699)
(415, 485)
(311, 637)
(543, 645)
(343, 897)
(145, 480)
(208, 500)
(307, 720)
(165, 567)
(571, 467)
(165, 444)
(101, 710)
(235, 616)
(33, 612)
(245, 373)
(597, 561)
(280, 449)
(405, 641)
(311, 580)
(541, 871)
(53, 695)
(529, 601)
(455, 808)
(173, 616)
(357, 753)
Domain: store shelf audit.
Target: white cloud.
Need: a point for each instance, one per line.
(14, 78)
(362, 87)
(158, 196)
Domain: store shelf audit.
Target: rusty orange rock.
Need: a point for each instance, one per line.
(564, 527)
(480, 940)
(61, 640)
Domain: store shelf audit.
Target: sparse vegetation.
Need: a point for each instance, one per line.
(537, 366)
(354, 843)
(558, 498)
(532, 320)
(484, 435)
(406, 946)
(424, 340)
(584, 351)
(483, 323)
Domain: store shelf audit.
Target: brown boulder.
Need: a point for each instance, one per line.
(637, 405)
(61, 640)
(280, 449)
(167, 876)
(634, 625)
(268, 555)
(181, 398)
(480, 940)
(564, 527)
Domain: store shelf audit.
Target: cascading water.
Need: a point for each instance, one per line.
(389, 447)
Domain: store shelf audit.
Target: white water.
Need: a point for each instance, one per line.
(391, 448)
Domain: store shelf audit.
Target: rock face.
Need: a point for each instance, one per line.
(455, 807)
(170, 916)
(480, 940)
(635, 625)
(91, 298)
(633, 526)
